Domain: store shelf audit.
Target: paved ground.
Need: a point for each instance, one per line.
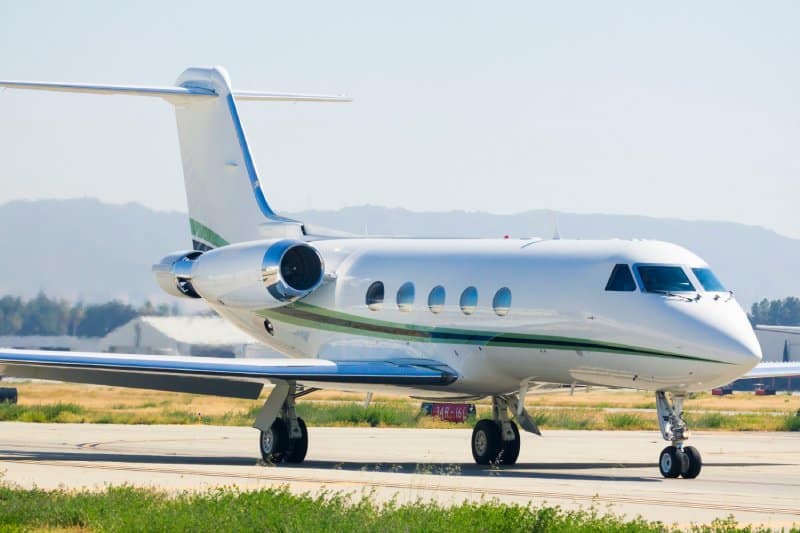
(754, 476)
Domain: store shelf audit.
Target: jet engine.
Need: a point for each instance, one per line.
(174, 274)
(251, 275)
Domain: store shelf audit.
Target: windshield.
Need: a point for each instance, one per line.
(664, 279)
(621, 279)
(708, 280)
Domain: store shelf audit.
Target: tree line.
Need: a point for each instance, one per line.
(45, 316)
(784, 312)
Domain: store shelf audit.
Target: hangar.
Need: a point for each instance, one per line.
(202, 336)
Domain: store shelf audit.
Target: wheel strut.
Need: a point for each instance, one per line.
(676, 459)
(283, 435)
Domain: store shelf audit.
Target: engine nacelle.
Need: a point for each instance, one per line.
(252, 275)
(174, 274)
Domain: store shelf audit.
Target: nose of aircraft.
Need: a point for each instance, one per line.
(720, 331)
(743, 347)
(733, 337)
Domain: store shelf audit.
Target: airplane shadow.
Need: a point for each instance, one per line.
(564, 471)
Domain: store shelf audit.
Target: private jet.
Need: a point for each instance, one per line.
(433, 319)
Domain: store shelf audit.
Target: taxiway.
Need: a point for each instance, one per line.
(752, 476)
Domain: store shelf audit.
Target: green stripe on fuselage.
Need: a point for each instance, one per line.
(311, 316)
(204, 233)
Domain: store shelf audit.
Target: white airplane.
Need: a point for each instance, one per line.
(449, 319)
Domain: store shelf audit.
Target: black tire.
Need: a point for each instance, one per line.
(273, 443)
(509, 451)
(694, 463)
(486, 442)
(297, 449)
(671, 462)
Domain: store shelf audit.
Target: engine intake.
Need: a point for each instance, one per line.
(291, 269)
(174, 274)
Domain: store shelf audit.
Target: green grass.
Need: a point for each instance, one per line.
(133, 509)
(626, 421)
(56, 412)
(400, 414)
(792, 422)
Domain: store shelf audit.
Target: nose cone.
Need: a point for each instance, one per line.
(741, 345)
(729, 335)
(720, 331)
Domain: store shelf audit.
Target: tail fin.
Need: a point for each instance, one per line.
(223, 190)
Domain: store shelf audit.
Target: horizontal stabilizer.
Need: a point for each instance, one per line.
(172, 94)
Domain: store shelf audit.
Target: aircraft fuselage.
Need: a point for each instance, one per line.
(553, 321)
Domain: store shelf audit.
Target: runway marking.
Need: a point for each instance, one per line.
(693, 503)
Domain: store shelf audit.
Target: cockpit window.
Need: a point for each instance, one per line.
(621, 279)
(708, 280)
(664, 279)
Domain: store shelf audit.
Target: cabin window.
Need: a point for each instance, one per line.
(621, 279)
(375, 296)
(708, 280)
(501, 303)
(436, 299)
(469, 300)
(664, 279)
(405, 297)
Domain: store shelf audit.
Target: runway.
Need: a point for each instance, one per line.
(753, 476)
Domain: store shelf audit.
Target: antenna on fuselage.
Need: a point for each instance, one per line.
(556, 233)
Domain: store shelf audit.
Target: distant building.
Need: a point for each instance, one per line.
(48, 342)
(779, 343)
(202, 336)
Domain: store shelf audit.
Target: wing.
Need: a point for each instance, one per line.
(774, 370)
(237, 378)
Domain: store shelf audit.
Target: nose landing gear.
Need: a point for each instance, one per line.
(675, 460)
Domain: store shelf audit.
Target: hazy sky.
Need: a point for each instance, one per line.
(686, 110)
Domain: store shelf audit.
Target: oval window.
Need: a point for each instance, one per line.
(436, 299)
(469, 300)
(405, 297)
(502, 301)
(375, 296)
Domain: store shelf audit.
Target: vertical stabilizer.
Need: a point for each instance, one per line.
(226, 202)
(223, 192)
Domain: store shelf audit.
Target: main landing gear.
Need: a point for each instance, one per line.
(497, 441)
(283, 436)
(676, 460)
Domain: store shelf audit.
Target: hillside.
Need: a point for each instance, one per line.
(85, 249)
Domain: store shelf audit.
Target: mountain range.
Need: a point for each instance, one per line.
(87, 250)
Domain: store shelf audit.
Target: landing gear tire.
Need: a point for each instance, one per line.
(694, 463)
(510, 448)
(273, 442)
(486, 442)
(297, 448)
(672, 462)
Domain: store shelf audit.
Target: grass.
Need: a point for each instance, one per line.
(391, 414)
(58, 402)
(135, 509)
(396, 414)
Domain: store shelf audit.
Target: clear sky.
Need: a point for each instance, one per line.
(687, 110)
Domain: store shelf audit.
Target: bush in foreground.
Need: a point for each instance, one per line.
(133, 509)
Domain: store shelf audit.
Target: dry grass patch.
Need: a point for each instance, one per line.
(59, 402)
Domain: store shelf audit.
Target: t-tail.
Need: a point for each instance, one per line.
(224, 194)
